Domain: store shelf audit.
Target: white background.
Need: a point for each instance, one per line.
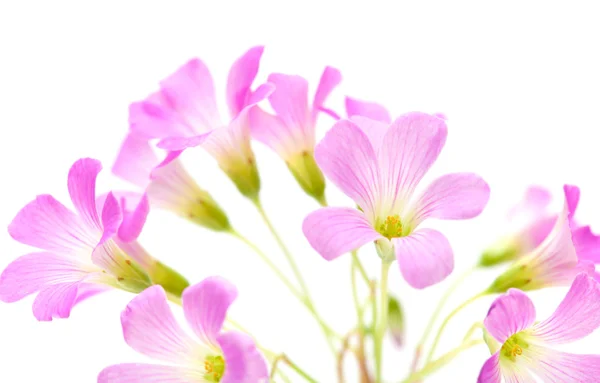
(519, 82)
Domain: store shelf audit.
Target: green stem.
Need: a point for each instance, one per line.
(476, 326)
(441, 362)
(357, 305)
(307, 300)
(436, 314)
(382, 320)
(447, 320)
(270, 264)
(284, 359)
(360, 267)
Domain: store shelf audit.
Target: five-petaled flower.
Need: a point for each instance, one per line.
(525, 346)
(150, 328)
(379, 167)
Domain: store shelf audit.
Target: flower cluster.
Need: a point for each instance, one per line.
(378, 162)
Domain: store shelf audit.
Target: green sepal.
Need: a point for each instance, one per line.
(173, 282)
(396, 321)
(310, 178)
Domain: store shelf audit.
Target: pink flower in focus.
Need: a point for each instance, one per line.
(167, 183)
(291, 133)
(184, 114)
(526, 344)
(379, 167)
(80, 255)
(150, 328)
(554, 262)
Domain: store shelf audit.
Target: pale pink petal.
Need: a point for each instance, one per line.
(135, 161)
(108, 256)
(232, 142)
(330, 78)
(244, 363)
(572, 194)
(452, 196)
(82, 189)
(112, 217)
(33, 272)
(262, 92)
(271, 131)
(411, 145)
(135, 212)
(347, 158)
(240, 79)
(190, 91)
(425, 257)
(509, 314)
(55, 301)
(371, 110)
(181, 143)
(555, 366)
(155, 118)
(88, 290)
(134, 250)
(533, 205)
(587, 244)
(490, 372)
(374, 129)
(47, 224)
(537, 231)
(149, 373)
(334, 231)
(515, 373)
(150, 328)
(205, 305)
(577, 316)
(290, 101)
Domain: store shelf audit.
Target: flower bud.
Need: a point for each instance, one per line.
(396, 323)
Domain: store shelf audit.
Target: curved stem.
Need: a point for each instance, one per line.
(282, 358)
(436, 314)
(360, 267)
(445, 323)
(306, 298)
(270, 264)
(476, 326)
(441, 362)
(382, 320)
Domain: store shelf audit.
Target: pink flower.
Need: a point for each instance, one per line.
(150, 328)
(80, 254)
(184, 114)
(526, 345)
(291, 133)
(167, 183)
(554, 262)
(379, 167)
(374, 111)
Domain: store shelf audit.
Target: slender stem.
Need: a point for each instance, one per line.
(381, 320)
(441, 362)
(445, 323)
(475, 327)
(360, 267)
(307, 300)
(436, 314)
(282, 358)
(357, 305)
(269, 263)
(360, 355)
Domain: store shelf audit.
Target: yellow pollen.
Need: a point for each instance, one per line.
(516, 350)
(391, 227)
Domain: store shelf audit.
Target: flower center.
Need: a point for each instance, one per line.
(514, 346)
(214, 367)
(391, 227)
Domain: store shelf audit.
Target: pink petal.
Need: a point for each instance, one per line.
(47, 224)
(490, 372)
(330, 78)
(232, 142)
(150, 328)
(191, 93)
(134, 250)
(240, 79)
(556, 366)
(271, 131)
(347, 158)
(577, 316)
(290, 102)
(182, 143)
(572, 194)
(111, 217)
(514, 373)
(452, 196)
(82, 188)
(509, 314)
(149, 373)
(371, 110)
(55, 301)
(587, 244)
(155, 118)
(244, 363)
(205, 305)
(534, 204)
(134, 215)
(88, 290)
(33, 272)
(425, 257)
(334, 231)
(135, 161)
(374, 129)
(411, 145)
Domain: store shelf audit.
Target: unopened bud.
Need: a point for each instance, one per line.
(396, 323)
